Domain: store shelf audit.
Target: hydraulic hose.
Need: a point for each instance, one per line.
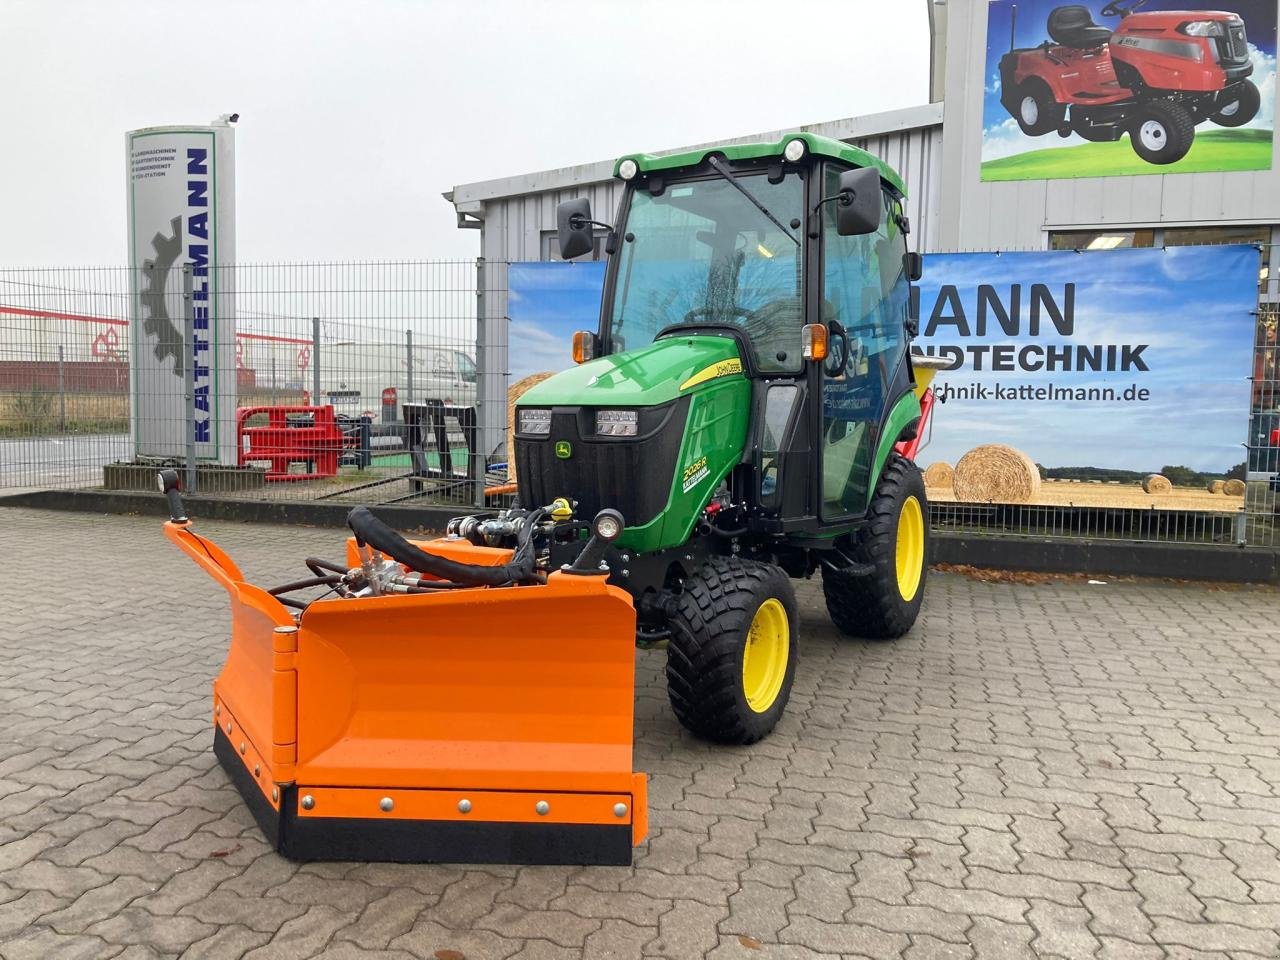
(722, 532)
(326, 581)
(373, 532)
(317, 566)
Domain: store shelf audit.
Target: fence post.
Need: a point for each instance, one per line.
(62, 394)
(479, 434)
(315, 362)
(408, 356)
(189, 375)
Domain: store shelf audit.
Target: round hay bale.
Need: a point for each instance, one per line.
(995, 473)
(1156, 483)
(1215, 486)
(1233, 488)
(940, 475)
(514, 393)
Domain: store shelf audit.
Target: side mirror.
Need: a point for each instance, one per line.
(861, 203)
(913, 263)
(573, 228)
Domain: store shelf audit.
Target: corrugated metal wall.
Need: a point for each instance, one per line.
(514, 226)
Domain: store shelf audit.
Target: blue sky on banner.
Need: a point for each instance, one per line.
(546, 303)
(1192, 308)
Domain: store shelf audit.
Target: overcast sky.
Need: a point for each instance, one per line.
(356, 116)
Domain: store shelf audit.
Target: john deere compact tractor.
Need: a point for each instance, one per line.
(740, 404)
(743, 415)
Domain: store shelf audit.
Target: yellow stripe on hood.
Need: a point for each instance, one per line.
(721, 368)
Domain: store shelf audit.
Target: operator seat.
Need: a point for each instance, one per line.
(1073, 26)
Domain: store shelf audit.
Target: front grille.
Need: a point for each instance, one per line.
(1233, 47)
(633, 476)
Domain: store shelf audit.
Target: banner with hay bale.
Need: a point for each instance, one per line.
(1129, 367)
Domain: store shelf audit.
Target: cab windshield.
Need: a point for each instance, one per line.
(702, 252)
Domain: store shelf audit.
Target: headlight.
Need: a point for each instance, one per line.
(616, 423)
(534, 421)
(1202, 28)
(794, 151)
(627, 169)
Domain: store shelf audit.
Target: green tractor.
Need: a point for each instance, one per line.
(745, 404)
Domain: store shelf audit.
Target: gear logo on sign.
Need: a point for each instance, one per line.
(158, 325)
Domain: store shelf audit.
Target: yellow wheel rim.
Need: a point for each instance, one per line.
(909, 553)
(764, 659)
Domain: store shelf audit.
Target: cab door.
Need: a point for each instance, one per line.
(865, 292)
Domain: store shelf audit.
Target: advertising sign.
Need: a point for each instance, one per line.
(546, 303)
(1103, 365)
(1114, 364)
(1120, 87)
(182, 211)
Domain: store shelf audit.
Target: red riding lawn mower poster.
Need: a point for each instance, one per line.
(1127, 87)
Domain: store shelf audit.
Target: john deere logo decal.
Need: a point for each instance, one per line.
(564, 449)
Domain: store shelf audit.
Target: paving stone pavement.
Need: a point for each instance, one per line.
(1058, 770)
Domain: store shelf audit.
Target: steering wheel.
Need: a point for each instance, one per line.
(1114, 8)
(697, 312)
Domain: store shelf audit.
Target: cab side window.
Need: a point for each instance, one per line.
(865, 296)
(865, 289)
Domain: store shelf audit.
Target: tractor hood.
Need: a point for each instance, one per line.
(654, 374)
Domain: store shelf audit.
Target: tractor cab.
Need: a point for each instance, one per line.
(782, 267)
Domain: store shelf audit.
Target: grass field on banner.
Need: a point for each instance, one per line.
(1213, 150)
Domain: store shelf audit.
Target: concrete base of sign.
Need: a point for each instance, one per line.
(209, 478)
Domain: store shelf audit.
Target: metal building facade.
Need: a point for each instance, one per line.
(516, 215)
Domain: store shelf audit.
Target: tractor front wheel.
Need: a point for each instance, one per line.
(1162, 132)
(1241, 108)
(732, 654)
(894, 542)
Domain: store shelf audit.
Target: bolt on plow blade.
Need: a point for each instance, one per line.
(475, 725)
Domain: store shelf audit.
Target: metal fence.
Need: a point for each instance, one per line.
(341, 381)
(382, 383)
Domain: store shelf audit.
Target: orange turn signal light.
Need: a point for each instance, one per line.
(813, 340)
(584, 346)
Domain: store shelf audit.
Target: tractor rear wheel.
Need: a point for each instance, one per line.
(1162, 132)
(1033, 106)
(1241, 108)
(732, 654)
(883, 604)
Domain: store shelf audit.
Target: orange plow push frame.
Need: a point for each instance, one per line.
(474, 725)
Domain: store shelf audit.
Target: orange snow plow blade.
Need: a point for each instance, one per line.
(480, 725)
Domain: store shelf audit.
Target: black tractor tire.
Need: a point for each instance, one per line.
(1033, 107)
(1162, 132)
(873, 605)
(1243, 106)
(711, 630)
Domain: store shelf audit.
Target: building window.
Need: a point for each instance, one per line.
(551, 246)
(1194, 236)
(1101, 239)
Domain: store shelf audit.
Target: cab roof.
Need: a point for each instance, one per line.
(820, 146)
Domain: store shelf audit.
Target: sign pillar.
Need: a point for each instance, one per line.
(181, 192)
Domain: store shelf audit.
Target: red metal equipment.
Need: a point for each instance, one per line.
(1155, 76)
(909, 448)
(317, 442)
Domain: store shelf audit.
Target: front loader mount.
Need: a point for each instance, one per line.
(486, 724)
